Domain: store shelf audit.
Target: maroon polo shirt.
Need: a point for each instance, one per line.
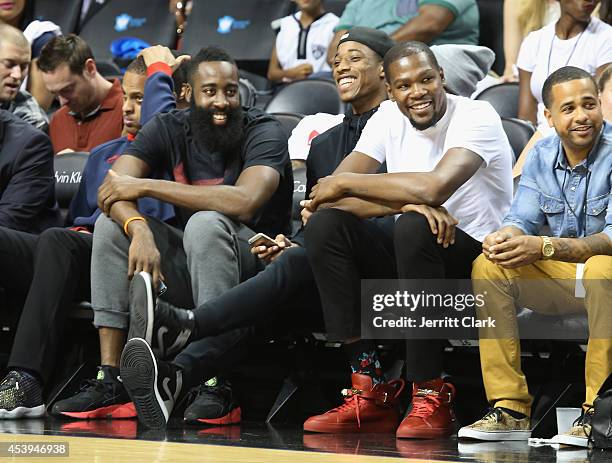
(105, 123)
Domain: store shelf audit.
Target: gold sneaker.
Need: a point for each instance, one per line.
(578, 435)
(497, 425)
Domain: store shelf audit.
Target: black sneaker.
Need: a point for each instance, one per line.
(103, 397)
(152, 384)
(214, 404)
(20, 397)
(155, 320)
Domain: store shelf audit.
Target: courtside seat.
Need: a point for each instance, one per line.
(68, 171)
(148, 20)
(309, 96)
(248, 93)
(519, 133)
(299, 190)
(109, 70)
(288, 120)
(503, 97)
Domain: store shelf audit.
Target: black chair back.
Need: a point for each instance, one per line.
(503, 97)
(248, 93)
(309, 96)
(492, 30)
(299, 190)
(68, 171)
(519, 133)
(148, 20)
(288, 120)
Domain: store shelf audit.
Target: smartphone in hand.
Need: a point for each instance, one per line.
(261, 239)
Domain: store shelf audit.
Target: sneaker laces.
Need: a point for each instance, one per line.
(426, 401)
(351, 402)
(494, 415)
(584, 420)
(211, 386)
(9, 380)
(423, 407)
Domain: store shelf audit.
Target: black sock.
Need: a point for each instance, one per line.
(514, 414)
(363, 357)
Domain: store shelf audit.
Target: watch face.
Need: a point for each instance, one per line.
(548, 250)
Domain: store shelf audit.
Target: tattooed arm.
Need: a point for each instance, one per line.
(580, 249)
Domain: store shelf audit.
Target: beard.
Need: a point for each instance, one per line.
(225, 139)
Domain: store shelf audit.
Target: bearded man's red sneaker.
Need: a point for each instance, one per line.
(367, 408)
(431, 416)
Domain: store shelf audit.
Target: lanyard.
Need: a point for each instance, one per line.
(584, 199)
(572, 52)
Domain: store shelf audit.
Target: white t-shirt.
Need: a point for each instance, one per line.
(588, 51)
(481, 203)
(307, 129)
(295, 45)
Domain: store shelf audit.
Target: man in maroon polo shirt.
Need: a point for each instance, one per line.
(91, 106)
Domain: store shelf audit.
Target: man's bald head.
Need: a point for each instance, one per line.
(13, 35)
(15, 56)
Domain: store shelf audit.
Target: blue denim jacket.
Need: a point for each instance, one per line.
(551, 193)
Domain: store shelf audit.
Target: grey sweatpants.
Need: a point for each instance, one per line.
(211, 256)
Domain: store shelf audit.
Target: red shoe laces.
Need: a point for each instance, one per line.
(424, 406)
(351, 402)
(426, 401)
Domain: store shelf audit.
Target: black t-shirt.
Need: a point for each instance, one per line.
(166, 143)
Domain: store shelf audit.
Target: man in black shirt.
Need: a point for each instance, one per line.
(288, 278)
(231, 177)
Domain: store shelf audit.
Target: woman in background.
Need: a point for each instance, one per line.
(576, 39)
(301, 45)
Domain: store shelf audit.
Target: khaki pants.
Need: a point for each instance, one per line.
(551, 293)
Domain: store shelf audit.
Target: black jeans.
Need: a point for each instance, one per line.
(285, 284)
(46, 273)
(344, 249)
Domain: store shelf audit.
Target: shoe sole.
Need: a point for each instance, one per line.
(233, 417)
(570, 440)
(138, 369)
(351, 428)
(141, 315)
(22, 412)
(424, 433)
(494, 435)
(120, 411)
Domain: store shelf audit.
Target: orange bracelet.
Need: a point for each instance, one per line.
(128, 221)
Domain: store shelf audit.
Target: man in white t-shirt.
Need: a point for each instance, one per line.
(449, 164)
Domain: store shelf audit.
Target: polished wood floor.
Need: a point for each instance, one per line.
(123, 440)
(83, 449)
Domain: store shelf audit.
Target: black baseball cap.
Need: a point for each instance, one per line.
(376, 40)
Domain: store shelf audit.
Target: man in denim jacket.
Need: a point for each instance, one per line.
(566, 186)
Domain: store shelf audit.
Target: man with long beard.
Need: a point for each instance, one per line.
(231, 176)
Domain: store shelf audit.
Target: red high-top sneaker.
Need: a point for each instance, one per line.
(431, 415)
(366, 409)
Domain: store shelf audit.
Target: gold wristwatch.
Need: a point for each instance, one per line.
(548, 250)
